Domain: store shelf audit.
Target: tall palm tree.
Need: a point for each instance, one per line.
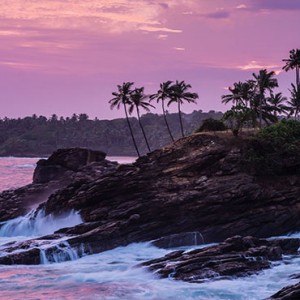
(295, 100)
(277, 104)
(122, 97)
(179, 94)
(138, 100)
(264, 81)
(293, 62)
(162, 94)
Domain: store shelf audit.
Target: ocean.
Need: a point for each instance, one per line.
(113, 274)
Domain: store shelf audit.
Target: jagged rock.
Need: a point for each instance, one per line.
(236, 256)
(64, 160)
(63, 167)
(198, 184)
(291, 292)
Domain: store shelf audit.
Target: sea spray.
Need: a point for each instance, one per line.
(36, 223)
(60, 253)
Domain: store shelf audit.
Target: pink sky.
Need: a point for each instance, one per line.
(67, 56)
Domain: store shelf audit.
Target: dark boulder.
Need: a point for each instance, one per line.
(64, 160)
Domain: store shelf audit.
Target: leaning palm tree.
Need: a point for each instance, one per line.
(162, 94)
(293, 62)
(179, 94)
(277, 104)
(264, 81)
(295, 101)
(122, 97)
(138, 100)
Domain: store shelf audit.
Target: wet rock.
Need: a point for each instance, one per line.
(236, 256)
(291, 292)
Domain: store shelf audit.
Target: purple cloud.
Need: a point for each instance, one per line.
(218, 15)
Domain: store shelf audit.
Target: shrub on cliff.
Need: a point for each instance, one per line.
(276, 149)
(282, 133)
(211, 124)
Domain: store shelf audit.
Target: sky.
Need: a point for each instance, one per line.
(68, 56)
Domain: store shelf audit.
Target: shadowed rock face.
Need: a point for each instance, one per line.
(64, 160)
(236, 256)
(198, 184)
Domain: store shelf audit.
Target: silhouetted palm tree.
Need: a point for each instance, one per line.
(122, 97)
(293, 62)
(241, 93)
(277, 104)
(295, 100)
(138, 98)
(264, 81)
(179, 94)
(162, 94)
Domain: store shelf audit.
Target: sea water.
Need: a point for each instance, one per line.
(113, 274)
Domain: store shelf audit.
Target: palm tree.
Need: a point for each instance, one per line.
(138, 98)
(162, 94)
(295, 100)
(241, 93)
(293, 62)
(122, 97)
(264, 81)
(277, 104)
(179, 94)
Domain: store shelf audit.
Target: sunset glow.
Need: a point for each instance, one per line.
(68, 56)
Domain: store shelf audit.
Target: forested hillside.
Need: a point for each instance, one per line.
(39, 136)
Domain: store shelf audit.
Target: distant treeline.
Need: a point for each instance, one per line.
(40, 136)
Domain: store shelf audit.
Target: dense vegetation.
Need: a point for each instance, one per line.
(38, 136)
(275, 149)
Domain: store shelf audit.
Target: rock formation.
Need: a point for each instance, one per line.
(201, 183)
(60, 169)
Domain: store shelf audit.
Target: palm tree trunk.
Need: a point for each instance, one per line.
(165, 118)
(180, 119)
(297, 77)
(260, 110)
(132, 136)
(142, 128)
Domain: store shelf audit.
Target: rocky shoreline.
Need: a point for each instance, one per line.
(200, 185)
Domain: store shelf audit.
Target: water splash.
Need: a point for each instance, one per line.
(60, 253)
(38, 224)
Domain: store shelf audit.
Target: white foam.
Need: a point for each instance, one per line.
(39, 224)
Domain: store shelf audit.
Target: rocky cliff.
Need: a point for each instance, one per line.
(201, 184)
